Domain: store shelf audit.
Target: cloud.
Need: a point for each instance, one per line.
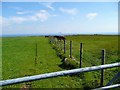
(20, 13)
(16, 8)
(41, 15)
(23, 12)
(18, 19)
(49, 5)
(0, 20)
(72, 11)
(91, 15)
(12, 20)
(4, 21)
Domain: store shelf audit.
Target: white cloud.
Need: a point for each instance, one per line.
(91, 15)
(16, 8)
(72, 11)
(41, 15)
(49, 5)
(54, 15)
(3, 21)
(12, 20)
(18, 19)
(0, 20)
(32, 18)
(23, 12)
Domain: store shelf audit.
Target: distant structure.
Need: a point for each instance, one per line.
(59, 37)
(47, 36)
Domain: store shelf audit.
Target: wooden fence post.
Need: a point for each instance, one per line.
(60, 44)
(36, 49)
(64, 46)
(55, 41)
(70, 49)
(36, 54)
(102, 71)
(81, 50)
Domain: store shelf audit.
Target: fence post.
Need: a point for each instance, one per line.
(58, 43)
(81, 50)
(55, 41)
(36, 49)
(102, 71)
(64, 46)
(61, 44)
(70, 49)
(35, 54)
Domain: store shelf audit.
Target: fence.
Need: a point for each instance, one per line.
(67, 72)
(55, 74)
(108, 87)
(81, 55)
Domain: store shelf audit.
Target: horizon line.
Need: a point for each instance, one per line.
(65, 34)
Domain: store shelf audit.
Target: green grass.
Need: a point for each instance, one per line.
(92, 46)
(18, 60)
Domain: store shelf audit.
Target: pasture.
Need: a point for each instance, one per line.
(19, 53)
(92, 46)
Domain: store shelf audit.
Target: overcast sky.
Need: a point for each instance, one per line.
(59, 17)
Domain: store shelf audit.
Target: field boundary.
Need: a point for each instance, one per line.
(56, 74)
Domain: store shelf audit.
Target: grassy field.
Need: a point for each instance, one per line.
(18, 60)
(92, 46)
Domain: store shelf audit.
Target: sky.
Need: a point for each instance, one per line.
(59, 18)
